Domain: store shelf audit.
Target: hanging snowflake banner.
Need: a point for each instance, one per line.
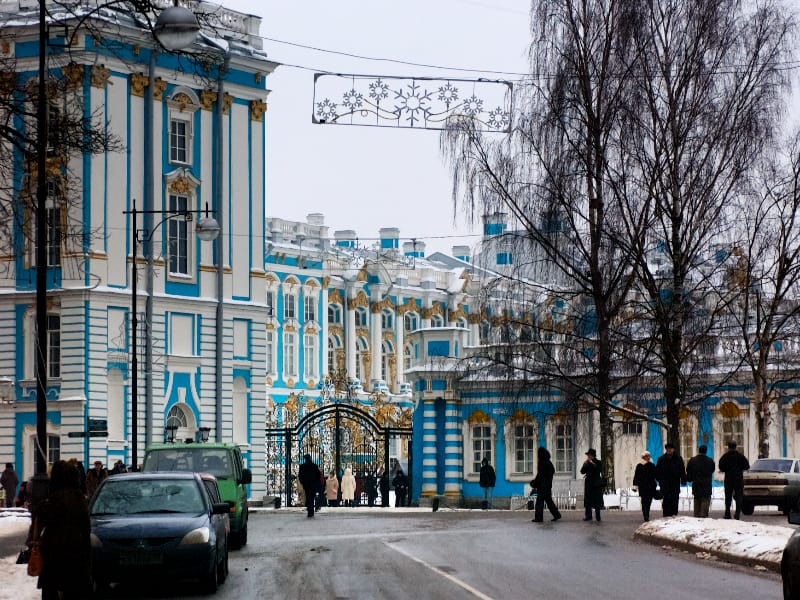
(411, 102)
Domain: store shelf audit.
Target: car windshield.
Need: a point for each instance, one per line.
(780, 465)
(137, 496)
(196, 459)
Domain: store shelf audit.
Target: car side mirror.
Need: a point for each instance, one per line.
(220, 508)
(794, 517)
(247, 476)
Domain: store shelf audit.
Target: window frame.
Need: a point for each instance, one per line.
(510, 437)
(180, 246)
(175, 150)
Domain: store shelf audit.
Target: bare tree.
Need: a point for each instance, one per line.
(563, 176)
(708, 78)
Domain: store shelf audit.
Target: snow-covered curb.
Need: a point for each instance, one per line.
(743, 542)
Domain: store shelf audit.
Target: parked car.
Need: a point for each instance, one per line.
(222, 460)
(772, 481)
(163, 525)
(790, 561)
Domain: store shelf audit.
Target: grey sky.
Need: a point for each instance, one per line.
(365, 178)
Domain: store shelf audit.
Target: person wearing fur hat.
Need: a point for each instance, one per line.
(644, 480)
(593, 485)
(671, 474)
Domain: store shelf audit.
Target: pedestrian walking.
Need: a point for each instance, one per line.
(371, 487)
(348, 487)
(332, 489)
(671, 474)
(308, 474)
(9, 482)
(593, 484)
(400, 483)
(699, 471)
(644, 481)
(543, 484)
(487, 481)
(733, 463)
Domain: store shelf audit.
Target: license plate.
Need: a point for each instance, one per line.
(141, 558)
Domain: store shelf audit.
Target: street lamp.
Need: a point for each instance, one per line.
(207, 229)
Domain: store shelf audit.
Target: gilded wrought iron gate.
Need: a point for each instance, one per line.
(336, 436)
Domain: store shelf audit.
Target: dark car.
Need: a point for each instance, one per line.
(772, 481)
(158, 525)
(790, 562)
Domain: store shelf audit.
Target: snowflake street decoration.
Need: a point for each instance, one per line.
(411, 102)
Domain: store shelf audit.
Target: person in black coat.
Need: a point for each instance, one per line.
(644, 480)
(487, 480)
(543, 484)
(733, 464)
(400, 483)
(592, 485)
(671, 474)
(699, 472)
(66, 547)
(309, 476)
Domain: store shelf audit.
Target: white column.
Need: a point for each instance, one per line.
(376, 346)
(350, 335)
(399, 337)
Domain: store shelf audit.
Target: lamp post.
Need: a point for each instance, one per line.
(206, 229)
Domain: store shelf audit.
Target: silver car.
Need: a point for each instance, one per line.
(772, 482)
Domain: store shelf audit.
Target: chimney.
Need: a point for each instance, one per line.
(461, 253)
(415, 249)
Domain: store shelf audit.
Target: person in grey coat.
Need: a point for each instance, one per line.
(699, 472)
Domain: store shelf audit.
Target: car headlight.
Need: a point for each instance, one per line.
(201, 535)
(95, 541)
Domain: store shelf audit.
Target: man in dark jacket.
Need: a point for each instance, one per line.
(699, 471)
(309, 476)
(733, 464)
(671, 474)
(487, 481)
(543, 484)
(9, 482)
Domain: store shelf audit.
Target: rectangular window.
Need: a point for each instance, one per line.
(270, 352)
(54, 229)
(733, 431)
(309, 356)
(289, 355)
(178, 236)
(309, 308)
(631, 428)
(334, 314)
(179, 141)
(410, 321)
(361, 317)
(523, 448)
(481, 446)
(53, 448)
(289, 308)
(387, 321)
(53, 345)
(565, 448)
(271, 304)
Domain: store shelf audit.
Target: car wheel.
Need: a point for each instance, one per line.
(222, 568)
(748, 508)
(210, 582)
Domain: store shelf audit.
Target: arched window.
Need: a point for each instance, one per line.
(437, 321)
(361, 316)
(408, 354)
(411, 321)
(334, 314)
(387, 320)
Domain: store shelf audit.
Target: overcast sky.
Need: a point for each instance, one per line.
(365, 178)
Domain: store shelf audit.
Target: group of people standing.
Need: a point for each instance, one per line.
(348, 489)
(664, 479)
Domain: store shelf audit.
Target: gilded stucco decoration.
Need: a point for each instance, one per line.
(795, 410)
(292, 404)
(271, 277)
(290, 327)
(159, 87)
(410, 305)
(269, 381)
(474, 318)
(458, 313)
(257, 110)
(387, 336)
(227, 100)
(73, 73)
(729, 410)
(426, 313)
(8, 81)
(335, 296)
(100, 76)
(519, 417)
(181, 100)
(290, 383)
(310, 405)
(363, 332)
(270, 326)
(139, 83)
(377, 307)
(182, 185)
(478, 417)
(367, 361)
(311, 283)
(363, 274)
(405, 419)
(360, 300)
(5, 48)
(311, 328)
(336, 330)
(326, 281)
(207, 99)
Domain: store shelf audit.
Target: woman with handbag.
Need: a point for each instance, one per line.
(62, 523)
(644, 480)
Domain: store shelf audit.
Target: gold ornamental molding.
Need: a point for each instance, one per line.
(159, 88)
(271, 277)
(227, 100)
(207, 99)
(139, 82)
(270, 326)
(520, 416)
(360, 300)
(458, 313)
(182, 185)
(312, 283)
(363, 332)
(257, 110)
(729, 410)
(182, 100)
(410, 305)
(478, 417)
(336, 330)
(795, 409)
(474, 319)
(363, 275)
(377, 307)
(387, 336)
(73, 73)
(100, 76)
(8, 81)
(311, 328)
(290, 328)
(335, 296)
(326, 281)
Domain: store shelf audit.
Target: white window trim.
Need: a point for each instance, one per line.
(181, 110)
(509, 439)
(550, 436)
(466, 433)
(287, 374)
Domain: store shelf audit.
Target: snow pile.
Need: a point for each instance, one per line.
(740, 541)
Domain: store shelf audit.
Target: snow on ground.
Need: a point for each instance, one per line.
(737, 541)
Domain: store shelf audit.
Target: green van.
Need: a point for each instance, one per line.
(223, 461)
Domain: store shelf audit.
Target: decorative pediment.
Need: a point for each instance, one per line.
(335, 297)
(478, 417)
(100, 76)
(410, 305)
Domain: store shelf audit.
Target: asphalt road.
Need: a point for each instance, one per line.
(384, 553)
